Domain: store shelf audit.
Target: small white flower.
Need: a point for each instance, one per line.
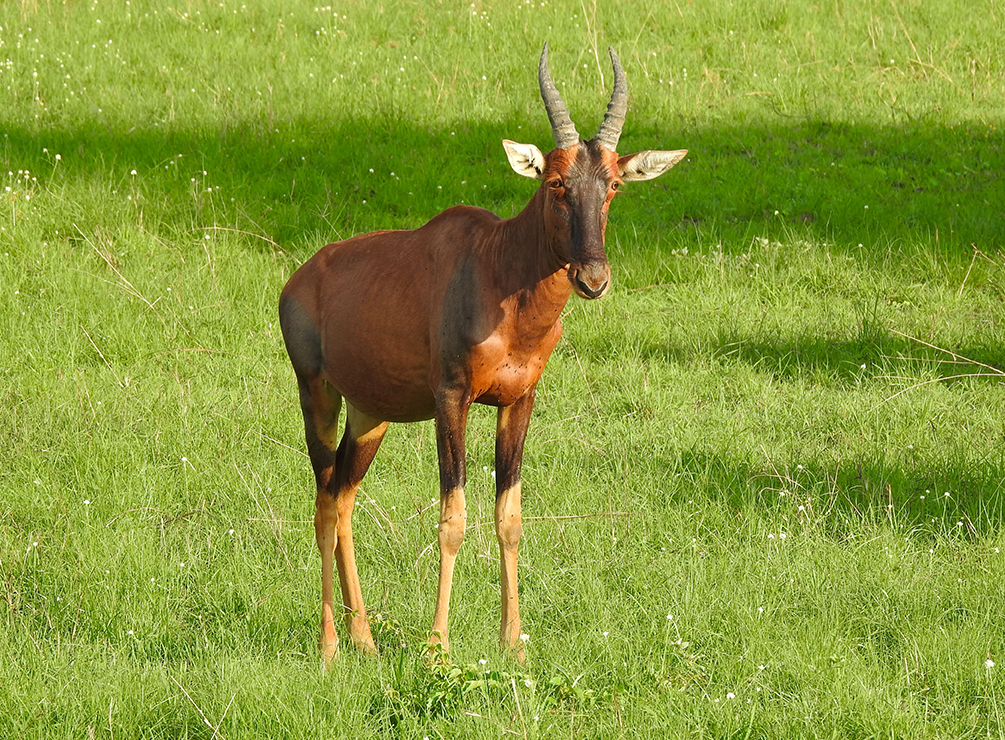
(482, 661)
(989, 664)
(524, 637)
(87, 502)
(133, 172)
(730, 695)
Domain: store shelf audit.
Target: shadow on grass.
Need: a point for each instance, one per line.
(857, 489)
(852, 360)
(920, 187)
(872, 349)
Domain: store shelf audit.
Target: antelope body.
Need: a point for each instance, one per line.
(412, 325)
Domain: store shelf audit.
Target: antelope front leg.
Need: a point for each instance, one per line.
(511, 431)
(451, 418)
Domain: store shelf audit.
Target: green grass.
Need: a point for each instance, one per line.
(764, 484)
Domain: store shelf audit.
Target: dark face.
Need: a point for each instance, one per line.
(579, 183)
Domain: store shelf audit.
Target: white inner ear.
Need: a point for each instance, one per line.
(648, 164)
(525, 159)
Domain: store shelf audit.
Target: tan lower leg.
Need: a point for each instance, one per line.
(352, 595)
(509, 527)
(325, 524)
(453, 518)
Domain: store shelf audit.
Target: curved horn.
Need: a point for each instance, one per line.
(610, 129)
(561, 124)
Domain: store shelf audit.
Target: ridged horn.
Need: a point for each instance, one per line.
(561, 123)
(610, 129)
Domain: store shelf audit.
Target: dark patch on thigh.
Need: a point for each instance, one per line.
(302, 337)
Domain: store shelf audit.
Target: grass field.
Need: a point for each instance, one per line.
(764, 487)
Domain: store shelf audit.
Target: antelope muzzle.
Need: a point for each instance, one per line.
(590, 279)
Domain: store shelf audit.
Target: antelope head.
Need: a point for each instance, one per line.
(579, 179)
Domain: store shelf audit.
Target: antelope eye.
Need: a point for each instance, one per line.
(556, 184)
(615, 185)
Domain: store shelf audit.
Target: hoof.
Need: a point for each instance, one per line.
(329, 651)
(360, 634)
(365, 645)
(328, 641)
(515, 652)
(437, 653)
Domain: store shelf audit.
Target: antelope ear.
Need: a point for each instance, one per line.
(525, 159)
(648, 164)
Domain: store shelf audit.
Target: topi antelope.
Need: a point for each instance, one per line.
(412, 325)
